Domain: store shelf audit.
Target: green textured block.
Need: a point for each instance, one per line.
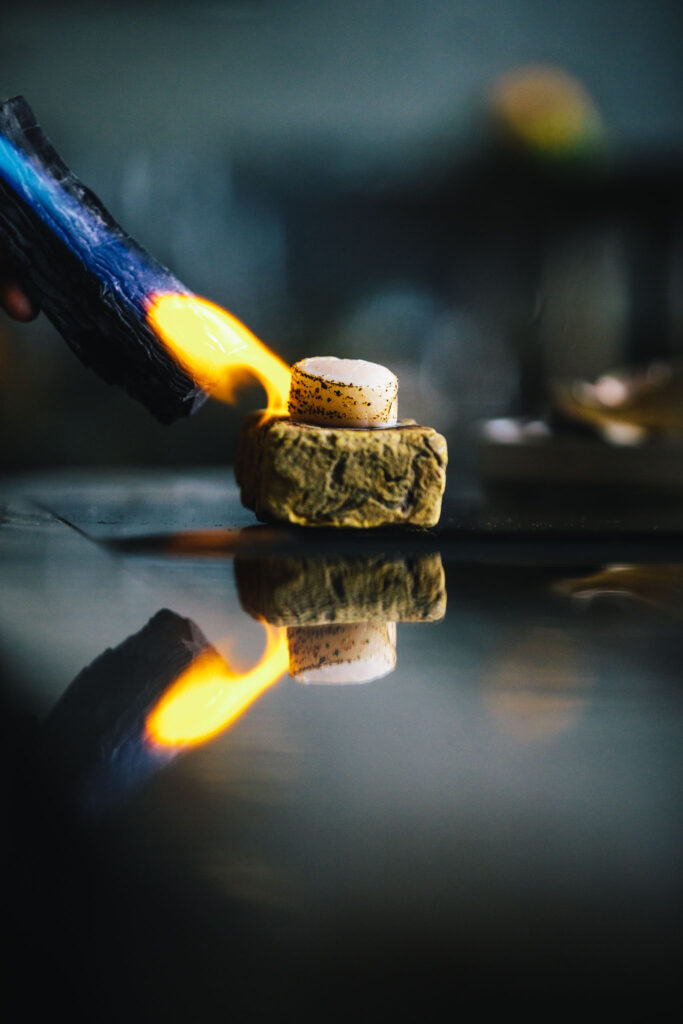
(338, 476)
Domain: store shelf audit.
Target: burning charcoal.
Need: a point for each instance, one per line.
(300, 591)
(337, 476)
(93, 281)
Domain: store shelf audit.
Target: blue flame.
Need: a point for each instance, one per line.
(119, 263)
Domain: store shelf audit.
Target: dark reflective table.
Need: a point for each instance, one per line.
(257, 769)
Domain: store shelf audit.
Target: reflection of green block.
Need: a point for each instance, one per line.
(299, 591)
(337, 476)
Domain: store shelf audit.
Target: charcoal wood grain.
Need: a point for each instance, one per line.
(92, 280)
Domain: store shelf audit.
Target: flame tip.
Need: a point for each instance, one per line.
(215, 348)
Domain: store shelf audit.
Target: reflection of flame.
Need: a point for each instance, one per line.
(208, 696)
(538, 689)
(216, 349)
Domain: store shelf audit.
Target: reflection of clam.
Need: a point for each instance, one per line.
(341, 612)
(306, 591)
(354, 652)
(537, 688)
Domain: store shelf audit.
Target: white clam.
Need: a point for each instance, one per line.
(332, 392)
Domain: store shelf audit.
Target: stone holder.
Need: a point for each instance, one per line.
(338, 476)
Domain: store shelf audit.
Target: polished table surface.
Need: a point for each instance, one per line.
(498, 814)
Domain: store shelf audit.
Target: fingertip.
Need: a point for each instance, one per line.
(17, 303)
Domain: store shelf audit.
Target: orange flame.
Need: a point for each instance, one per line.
(216, 349)
(208, 696)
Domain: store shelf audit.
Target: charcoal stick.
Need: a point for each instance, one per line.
(92, 280)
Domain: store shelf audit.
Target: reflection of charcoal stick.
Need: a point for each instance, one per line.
(300, 591)
(96, 732)
(93, 281)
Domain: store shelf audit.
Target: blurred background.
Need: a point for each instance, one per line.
(483, 196)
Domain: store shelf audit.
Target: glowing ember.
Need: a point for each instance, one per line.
(216, 349)
(208, 696)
